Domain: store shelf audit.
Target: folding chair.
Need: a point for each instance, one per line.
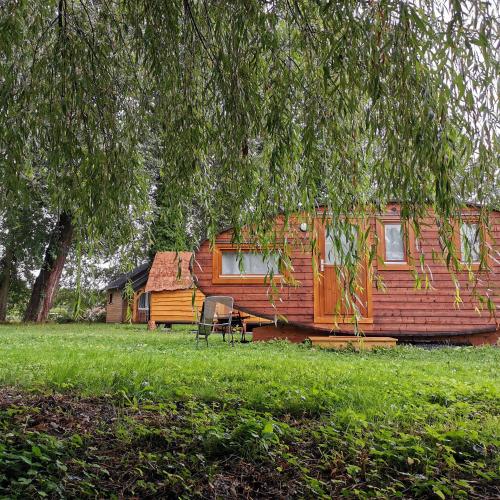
(216, 317)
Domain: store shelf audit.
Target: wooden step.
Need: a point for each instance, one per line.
(358, 343)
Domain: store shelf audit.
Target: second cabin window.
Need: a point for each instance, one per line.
(248, 264)
(393, 237)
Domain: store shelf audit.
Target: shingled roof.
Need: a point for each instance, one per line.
(137, 276)
(170, 271)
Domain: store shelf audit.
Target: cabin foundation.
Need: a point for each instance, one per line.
(298, 334)
(280, 332)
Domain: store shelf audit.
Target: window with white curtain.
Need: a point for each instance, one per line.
(336, 254)
(248, 263)
(394, 245)
(470, 243)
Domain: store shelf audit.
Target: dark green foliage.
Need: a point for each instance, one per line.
(31, 464)
(19, 296)
(169, 231)
(199, 450)
(266, 106)
(25, 225)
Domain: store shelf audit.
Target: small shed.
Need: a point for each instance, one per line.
(116, 304)
(172, 295)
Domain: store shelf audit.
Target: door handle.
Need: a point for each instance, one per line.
(322, 265)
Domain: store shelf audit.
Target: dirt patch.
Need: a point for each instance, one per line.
(128, 451)
(57, 414)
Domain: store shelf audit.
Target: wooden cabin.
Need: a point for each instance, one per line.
(116, 303)
(172, 296)
(161, 294)
(308, 304)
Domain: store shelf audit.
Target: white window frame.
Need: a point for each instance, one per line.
(242, 272)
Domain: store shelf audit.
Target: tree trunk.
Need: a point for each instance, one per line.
(7, 268)
(47, 282)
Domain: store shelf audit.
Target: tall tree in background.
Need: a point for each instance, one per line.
(67, 117)
(24, 229)
(348, 103)
(47, 281)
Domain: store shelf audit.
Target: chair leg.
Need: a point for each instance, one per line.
(206, 339)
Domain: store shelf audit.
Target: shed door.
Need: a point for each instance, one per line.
(332, 300)
(143, 307)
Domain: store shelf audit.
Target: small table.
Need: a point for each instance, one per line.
(236, 320)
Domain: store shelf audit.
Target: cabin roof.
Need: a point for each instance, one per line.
(170, 271)
(137, 276)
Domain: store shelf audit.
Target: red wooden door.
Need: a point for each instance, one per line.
(333, 299)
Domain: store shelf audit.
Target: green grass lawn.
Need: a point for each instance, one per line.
(293, 420)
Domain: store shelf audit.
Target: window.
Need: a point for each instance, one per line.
(110, 299)
(248, 263)
(246, 266)
(143, 301)
(337, 255)
(394, 245)
(470, 243)
(393, 237)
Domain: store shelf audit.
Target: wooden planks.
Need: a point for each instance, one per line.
(175, 306)
(298, 335)
(115, 309)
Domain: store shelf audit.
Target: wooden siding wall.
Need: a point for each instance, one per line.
(175, 306)
(399, 309)
(115, 310)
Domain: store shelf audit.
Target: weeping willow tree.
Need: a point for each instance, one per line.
(68, 116)
(259, 107)
(279, 105)
(284, 106)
